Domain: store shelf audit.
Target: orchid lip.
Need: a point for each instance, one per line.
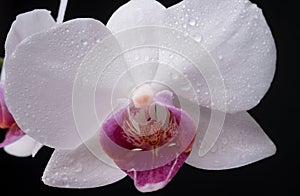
(148, 136)
(153, 135)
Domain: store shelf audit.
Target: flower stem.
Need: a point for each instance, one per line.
(61, 11)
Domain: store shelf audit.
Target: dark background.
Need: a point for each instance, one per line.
(277, 114)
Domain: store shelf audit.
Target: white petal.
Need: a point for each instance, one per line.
(21, 148)
(138, 54)
(40, 77)
(37, 146)
(2, 74)
(79, 168)
(25, 25)
(241, 142)
(136, 13)
(239, 40)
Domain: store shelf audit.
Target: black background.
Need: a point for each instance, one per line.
(277, 114)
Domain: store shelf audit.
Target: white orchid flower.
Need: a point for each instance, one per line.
(153, 89)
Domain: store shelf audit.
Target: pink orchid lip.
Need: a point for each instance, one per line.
(153, 152)
(154, 179)
(13, 132)
(6, 119)
(146, 152)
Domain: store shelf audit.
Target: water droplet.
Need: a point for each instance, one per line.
(224, 140)
(172, 144)
(174, 75)
(220, 57)
(266, 31)
(78, 167)
(192, 22)
(136, 57)
(65, 178)
(184, 26)
(198, 91)
(147, 58)
(136, 149)
(198, 38)
(43, 139)
(216, 161)
(84, 42)
(186, 87)
(214, 148)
